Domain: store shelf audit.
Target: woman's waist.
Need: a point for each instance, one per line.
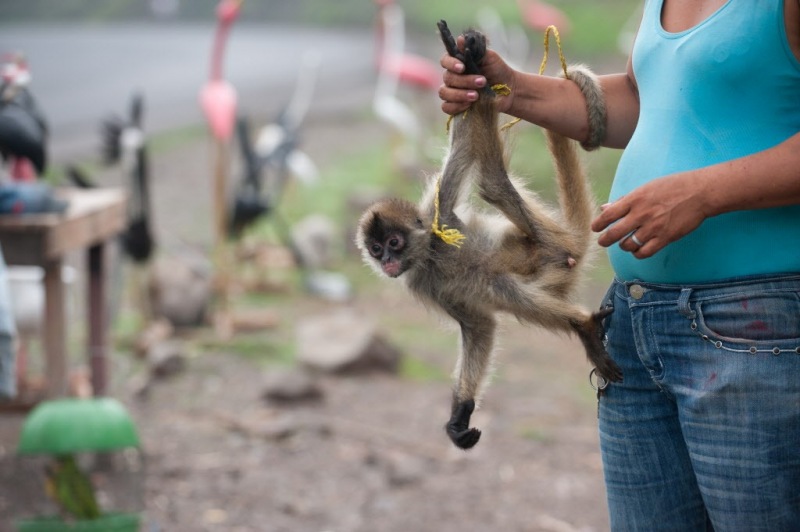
(643, 292)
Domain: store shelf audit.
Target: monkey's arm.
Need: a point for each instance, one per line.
(477, 341)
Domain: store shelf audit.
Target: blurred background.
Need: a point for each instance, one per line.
(275, 382)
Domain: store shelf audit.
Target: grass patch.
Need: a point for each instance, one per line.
(416, 369)
(267, 349)
(175, 138)
(536, 434)
(594, 26)
(369, 168)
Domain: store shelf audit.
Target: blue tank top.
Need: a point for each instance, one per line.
(724, 89)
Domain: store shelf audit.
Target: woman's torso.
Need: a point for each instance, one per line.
(725, 88)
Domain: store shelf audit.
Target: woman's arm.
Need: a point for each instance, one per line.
(550, 102)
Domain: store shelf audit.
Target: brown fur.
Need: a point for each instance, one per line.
(523, 259)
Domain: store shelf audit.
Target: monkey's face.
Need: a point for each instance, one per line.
(389, 252)
(391, 237)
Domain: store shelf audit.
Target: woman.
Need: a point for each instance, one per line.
(703, 232)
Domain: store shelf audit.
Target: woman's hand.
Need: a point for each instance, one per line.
(653, 215)
(459, 90)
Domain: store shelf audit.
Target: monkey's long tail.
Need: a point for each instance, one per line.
(577, 202)
(574, 193)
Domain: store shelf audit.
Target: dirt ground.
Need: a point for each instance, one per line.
(371, 456)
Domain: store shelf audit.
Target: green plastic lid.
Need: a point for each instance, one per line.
(65, 426)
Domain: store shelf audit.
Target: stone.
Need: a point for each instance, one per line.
(291, 386)
(344, 342)
(180, 291)
(313, 238)
(166, 359)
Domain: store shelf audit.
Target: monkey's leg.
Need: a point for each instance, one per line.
(496, 188)
(482, 144)
(466, 137)
(458, 170)
(477, 339)
(532, 304)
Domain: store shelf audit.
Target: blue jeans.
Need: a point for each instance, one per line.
(704, 431)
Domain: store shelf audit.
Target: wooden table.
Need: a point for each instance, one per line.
(94, 217)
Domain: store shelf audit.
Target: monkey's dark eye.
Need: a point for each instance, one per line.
(395, 242)
(376, 250)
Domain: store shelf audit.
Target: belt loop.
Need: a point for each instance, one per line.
(683, 304)
(611, 293)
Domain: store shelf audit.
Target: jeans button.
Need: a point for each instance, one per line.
(636, 291)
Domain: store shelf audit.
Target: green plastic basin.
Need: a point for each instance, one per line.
(65, 426)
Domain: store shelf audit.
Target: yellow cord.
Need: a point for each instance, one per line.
(501, 89)
(543, 64)
(547, 50)
(454, 237)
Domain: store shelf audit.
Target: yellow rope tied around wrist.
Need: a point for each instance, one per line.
(454, 237)
(501, 89)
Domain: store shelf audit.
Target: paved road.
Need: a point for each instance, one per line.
(83, 73)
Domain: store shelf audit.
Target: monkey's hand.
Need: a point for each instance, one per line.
(458, 426)
(596, 351)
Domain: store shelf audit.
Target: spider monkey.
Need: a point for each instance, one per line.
(523, 260)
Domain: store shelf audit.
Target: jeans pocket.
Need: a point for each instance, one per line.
(753, 322)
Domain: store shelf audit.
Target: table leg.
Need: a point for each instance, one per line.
(54, 330)
(97, 319)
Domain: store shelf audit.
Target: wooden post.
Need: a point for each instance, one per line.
(222, 313)
(54, 334)
(97, 317)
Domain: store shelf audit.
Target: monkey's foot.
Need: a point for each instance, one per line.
(458, 426)
(474, 50)
(474, 47)
(591, 334)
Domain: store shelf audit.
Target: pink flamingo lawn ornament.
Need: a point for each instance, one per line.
(410, 69)
(218, 100)
(218, 97)
(538, 15)
(395, 67)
